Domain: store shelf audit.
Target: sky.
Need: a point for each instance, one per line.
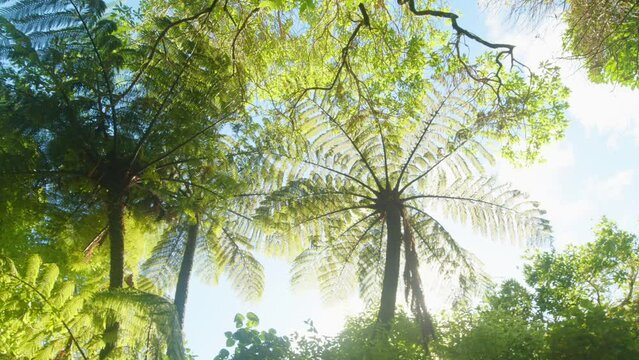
(592, 172)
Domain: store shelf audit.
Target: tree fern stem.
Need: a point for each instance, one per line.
(116, 208)
(182, 288)
(391, 266)
(116, 238)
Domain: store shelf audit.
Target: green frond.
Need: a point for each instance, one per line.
(233, 254)
(436, 246)
(140, 314)
(39, 312)
(495, 211)
(46, 20)
(435, 160)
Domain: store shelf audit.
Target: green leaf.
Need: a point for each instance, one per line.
(239, 320)
(253, 320)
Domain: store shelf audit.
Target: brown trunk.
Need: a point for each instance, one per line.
(116, 208)
(182, 288)
(391, 266)
(116, 239)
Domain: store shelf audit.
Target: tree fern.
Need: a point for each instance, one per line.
(106, 127)
(360, 185)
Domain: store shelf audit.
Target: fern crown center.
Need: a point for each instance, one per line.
(388, 198)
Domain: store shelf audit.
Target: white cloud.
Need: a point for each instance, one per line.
(604, 108)
(611, 187)
(608, 109)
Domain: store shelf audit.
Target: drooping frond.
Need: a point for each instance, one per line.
(163, 265)
(495, 211)
(414, 293)
(438, 248)
(318, 206)
(336, 264)
(233, 252)
(145, 318)
(370, 266)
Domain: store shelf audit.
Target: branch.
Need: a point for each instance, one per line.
(365, 21)
(156, 117)
(460, 198)
(507, 49)
(237, 34)
(359, 241)
(189, 183)
(97, 241)
(453, 20)
(180, 145)
(421, 138)
(432, 167)
(328, 169)
(335, 212)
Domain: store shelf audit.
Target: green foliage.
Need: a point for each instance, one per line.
(364, 338)
(503, 329)
(248, 343)
(350, 168)
(604, 35)
(40, 316)
(361, 338)
(581, 305)
(44, 316)
(199, 112)
(601, 273)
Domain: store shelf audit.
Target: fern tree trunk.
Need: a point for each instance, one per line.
(391, 265)
(182, 288)
(116, 238)
(116, 207)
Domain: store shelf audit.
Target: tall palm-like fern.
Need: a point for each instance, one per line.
(108, 109)
(362, 185)
(106, 128)
(213, 233)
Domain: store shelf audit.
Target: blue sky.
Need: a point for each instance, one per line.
(592, 172)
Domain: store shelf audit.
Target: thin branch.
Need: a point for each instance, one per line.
(160, 110)
(459, 198)
(180, 145)
(433, 166)
(453, 20)
(328, 169)
(189, 183)
(359, 241)
(365, 21)
(356, 223)
(460, 31)
(335, 212)
(237, 34)
(97, 241)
